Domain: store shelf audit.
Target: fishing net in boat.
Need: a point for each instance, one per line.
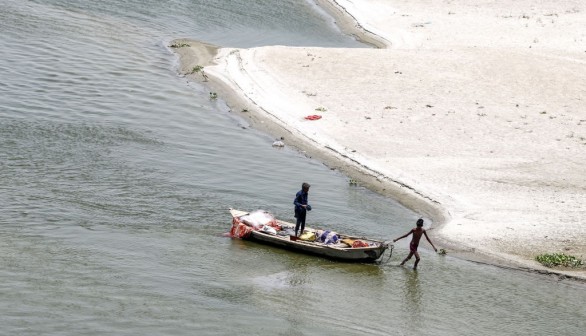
(239, 229)
(258, 220)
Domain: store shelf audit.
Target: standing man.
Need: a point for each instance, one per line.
(417, 232)
(301, 207)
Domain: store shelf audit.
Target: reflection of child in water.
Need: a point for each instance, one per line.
(417, 233)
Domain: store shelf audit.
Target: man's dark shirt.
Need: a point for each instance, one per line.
(300, 199)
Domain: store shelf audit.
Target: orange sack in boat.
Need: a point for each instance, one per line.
(359, 243)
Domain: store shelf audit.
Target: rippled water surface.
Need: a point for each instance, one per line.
(115, 177)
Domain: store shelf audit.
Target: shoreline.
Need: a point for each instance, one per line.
(199, 54)
(233, 73)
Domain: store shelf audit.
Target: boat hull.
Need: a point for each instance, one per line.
(364, 254)
(370, 252)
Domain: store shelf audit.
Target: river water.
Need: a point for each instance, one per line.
(116, 175)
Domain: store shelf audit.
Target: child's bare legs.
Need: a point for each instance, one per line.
(408, 257)
(416, 254)
(416, 260)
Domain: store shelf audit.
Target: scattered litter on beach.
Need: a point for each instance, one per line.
(313, 117)
(419, 25)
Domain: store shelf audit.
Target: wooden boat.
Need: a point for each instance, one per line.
(365, 250)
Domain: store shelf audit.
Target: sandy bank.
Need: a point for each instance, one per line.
(474, 115)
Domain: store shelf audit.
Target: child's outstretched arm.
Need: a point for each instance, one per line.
(403, 236)
(426, 237)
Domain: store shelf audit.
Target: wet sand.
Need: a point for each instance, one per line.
(471, 115)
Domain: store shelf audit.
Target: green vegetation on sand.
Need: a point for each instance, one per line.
(559, 259)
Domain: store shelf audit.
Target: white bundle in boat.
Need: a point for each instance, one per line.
(260, 220)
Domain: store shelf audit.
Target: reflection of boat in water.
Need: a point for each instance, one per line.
(271, 231)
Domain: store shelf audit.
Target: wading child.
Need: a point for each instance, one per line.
(417, 233)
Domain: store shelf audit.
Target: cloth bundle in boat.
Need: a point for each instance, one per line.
(268, 229)
(348, 241)
(327, 237)
(308, 236)
(360, 243)
(286, 232)
(259, 218)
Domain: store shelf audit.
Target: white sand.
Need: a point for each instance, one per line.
(474, 115)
